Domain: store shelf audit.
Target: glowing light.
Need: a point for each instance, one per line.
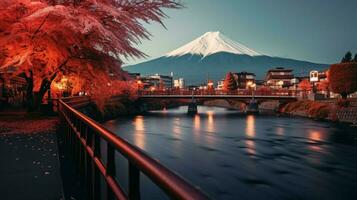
(210, 121)
(281, 83)
(250, 144)
(250, 132)
(280, 131)
(315, 137)
(250, 126)
(197, 122)
(176, 129)
(139, 123)
(152, 89)
(196, 128)
(139, 137)
(62, 84)
(59, 86)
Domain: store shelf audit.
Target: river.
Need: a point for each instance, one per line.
(230, 155)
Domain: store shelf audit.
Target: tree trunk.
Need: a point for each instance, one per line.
(29, 92)
(344, 95)
(34, 101)
(45, 86)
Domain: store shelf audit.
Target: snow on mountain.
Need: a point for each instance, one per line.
(211, 43)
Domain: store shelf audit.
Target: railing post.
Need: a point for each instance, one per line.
(85, 137)
(88, 162)
(81, 151)
(96, 173)
(134, 182)
(110, 168)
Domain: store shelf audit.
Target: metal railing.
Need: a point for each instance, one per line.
(84, 136)
(287, 93)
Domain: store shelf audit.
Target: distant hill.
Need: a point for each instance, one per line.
(213, 55)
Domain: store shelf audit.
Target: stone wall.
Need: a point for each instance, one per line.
(348, 115)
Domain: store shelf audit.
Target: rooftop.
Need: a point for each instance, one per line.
(280, 69)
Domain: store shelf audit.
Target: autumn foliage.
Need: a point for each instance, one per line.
(343, 78)
(86, 40)
(312, 109)
(229, 83)
(305, 85)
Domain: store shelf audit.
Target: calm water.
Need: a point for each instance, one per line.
(234, 156)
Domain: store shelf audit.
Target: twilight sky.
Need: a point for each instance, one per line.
(314, 30)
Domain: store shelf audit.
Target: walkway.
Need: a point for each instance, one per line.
(29, 161)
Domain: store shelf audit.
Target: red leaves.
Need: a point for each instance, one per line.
(230, 83)
(92, 34)
(305, 85)
(343, 78)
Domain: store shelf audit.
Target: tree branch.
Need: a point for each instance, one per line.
(39, 28)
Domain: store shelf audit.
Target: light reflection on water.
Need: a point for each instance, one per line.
(231, 155)
(139, 139)
(210, 121)
(250, 132)
(250, 127)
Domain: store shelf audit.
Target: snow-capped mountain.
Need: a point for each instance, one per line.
(213, 55)
(211, 43)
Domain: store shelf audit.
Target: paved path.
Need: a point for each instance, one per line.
(29, 162)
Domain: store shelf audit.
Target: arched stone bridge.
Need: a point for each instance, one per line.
(245, 97)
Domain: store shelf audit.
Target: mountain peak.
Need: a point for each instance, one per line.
(211, 43)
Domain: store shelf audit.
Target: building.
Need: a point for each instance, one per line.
(244, 79)
(148, 83)
(316, 76)
(260, 83)
(12, 90)
(220, 85)
(179, 83)
(165, 82)
(279, 78)
(155, 82)
(135, 76)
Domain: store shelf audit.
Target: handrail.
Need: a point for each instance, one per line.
(270, 93)
(84, 136)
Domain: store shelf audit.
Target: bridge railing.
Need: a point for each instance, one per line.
(220, 92)
(84, 137)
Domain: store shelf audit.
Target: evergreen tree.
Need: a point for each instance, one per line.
(347, 57)
(355, 58)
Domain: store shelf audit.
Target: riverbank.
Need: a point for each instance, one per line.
(336, 111)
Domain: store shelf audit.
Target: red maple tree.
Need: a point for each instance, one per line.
(44, 40)
(305, 85)
(343, 79)
(229, 83)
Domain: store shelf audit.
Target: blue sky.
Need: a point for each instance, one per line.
(313, 30)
